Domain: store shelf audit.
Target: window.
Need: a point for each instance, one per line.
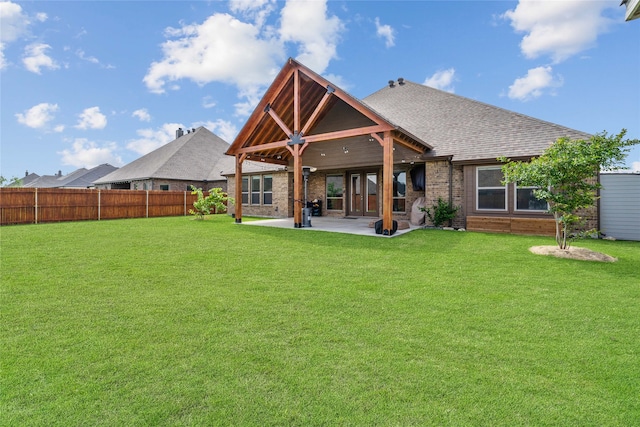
(164, 187)
(267, 192)
(399, 191)
(335, 192)
(491, 194)
(245, 190)
(527, 201)
(255, 189)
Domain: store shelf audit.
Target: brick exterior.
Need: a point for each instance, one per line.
(438, 175)
(174, 185)
(282, 202)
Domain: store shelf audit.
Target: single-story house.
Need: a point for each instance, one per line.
(80, 178)
(196, 157)
(405, 144)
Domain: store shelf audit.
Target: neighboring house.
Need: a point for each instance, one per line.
(19, 182)
(633, 9)
(80, 178)
(378, 156)
(195, 158)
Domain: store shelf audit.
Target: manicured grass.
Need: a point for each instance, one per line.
(172, 321)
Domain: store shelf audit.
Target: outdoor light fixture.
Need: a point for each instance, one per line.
(345, 149)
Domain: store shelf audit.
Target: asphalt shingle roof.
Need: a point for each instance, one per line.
(464, 128)
(195, 156)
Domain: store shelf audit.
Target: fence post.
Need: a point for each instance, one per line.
(147, 203)
(36, 206)
(98, 204)
(185, 203)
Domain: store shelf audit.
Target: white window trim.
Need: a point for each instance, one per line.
(515, 200)
(504, 187)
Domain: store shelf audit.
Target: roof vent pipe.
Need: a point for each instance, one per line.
(391, 83)
(193, 129)
(400, 81)
(179, 133)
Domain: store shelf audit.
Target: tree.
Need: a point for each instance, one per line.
(566, 176)
(215, 202)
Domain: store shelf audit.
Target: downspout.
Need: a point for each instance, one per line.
(450, 185)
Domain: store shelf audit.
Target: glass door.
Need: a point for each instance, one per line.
(355, 207)
(372, 194)
(363, 194)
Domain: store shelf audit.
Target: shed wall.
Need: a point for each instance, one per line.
(620, 206)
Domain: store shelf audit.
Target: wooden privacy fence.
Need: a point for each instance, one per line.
(36, 205)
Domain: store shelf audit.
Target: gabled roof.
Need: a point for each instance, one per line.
(294, 106)
(464, 128)
(80, 178)
(194, 156)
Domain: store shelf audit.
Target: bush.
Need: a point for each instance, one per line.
(441, 212)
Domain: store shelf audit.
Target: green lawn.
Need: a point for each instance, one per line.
(171, 321)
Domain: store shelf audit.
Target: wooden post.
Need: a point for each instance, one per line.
(297, 187)
(238, 207)
(387, 185)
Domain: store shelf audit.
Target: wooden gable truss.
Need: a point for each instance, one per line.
(283, 126)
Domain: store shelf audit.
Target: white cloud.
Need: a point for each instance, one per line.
(208, 102)
(559, 29)
(386, 32)
(92, 118)
(38, 116)
(13, 23)
(35, 58)
(306, 23)
(224, 129)
(257, 10)
(81, 54)
(151, 139)
(533, 84)
(442, 80)
(216, 50)
(635, 166)
(142, 114)
(87, 154)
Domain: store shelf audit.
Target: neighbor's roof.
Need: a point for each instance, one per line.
(80, 178)
(464, 128)
(195, 156)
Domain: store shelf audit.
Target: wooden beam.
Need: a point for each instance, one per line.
(316, 112)
(263, 147)
(377, 138)
(296, 101)
(238, 206)
(297, 187)
(387, 185)
(348, 133)
(279, 121)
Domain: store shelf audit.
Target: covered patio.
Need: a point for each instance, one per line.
(348, 225)
(304, 114)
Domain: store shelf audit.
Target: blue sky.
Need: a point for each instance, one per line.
(89, 82)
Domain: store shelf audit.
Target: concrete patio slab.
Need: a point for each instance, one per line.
(349, 225)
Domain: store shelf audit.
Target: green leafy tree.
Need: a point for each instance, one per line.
(214, 202)
(566, 176)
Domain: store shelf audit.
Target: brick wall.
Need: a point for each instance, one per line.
(282, 203)
(437, 177)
